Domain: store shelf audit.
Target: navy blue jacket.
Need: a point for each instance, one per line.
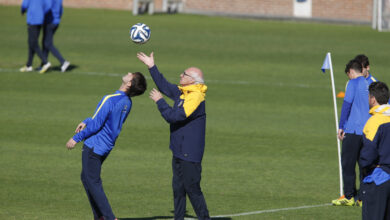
(187, 117)
(376, 138)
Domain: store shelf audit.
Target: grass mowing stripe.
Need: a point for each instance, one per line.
(229, 82)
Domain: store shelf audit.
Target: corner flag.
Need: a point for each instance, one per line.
(327, 65)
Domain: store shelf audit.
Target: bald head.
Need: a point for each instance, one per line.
(196, 74)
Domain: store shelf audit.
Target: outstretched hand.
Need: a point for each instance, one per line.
(147, 60)
(155, 95)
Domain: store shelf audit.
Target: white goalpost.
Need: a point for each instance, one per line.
(381, 15)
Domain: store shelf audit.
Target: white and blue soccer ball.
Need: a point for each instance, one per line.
(140, 33)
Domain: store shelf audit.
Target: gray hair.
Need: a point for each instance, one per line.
(198, 79)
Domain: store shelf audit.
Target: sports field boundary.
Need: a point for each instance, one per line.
(267, 211)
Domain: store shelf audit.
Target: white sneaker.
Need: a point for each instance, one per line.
(26, 69)
(65, 66)
(45, 68)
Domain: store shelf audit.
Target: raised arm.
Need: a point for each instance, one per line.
(167, 88)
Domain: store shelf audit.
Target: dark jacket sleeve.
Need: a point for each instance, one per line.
(167, 88)
(171, 115)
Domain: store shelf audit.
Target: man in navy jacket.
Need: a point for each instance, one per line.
(375, 155)
(187, 119)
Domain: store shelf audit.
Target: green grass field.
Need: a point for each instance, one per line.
(270, 124)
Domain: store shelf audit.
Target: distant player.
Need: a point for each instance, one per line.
(354, 115)
(363, 60)
(50, 26)
(36, 10)
(375, 155)
(100, 133)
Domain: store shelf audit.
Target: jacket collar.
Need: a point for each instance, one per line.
(202, 88)
(380, 109)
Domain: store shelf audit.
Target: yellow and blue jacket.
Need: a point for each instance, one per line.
(187, 117)
(376, 137)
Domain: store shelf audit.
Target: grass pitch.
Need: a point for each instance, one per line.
(270, 127)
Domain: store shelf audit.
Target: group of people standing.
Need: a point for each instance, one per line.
(364, 129)
(187, 119)
(45, 15)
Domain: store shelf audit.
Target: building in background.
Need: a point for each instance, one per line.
(353, 11)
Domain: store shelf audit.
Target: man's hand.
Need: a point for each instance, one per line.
(155, 95)
(340, 134)
(71, 144)
(148, 61)
(80, 127)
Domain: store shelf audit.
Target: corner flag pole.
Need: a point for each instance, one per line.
(337, 122)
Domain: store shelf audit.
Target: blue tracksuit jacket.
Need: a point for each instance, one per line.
(53, 16)
(354, 112)
(36, 10)
(105, 125)
(187, 117)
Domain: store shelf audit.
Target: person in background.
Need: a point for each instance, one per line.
(363, 60)
(354, 115)
(36, 10)
(50, 26)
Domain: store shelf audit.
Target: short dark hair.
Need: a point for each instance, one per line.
(138, 85)
(355, 65)
(363, 60)
(380, 91)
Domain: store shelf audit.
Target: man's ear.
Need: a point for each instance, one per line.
(128, 84)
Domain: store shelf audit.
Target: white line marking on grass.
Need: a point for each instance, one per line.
(273, 210)
(229, 82)
(268, 211)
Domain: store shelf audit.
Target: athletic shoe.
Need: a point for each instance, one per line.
(65, 66)
(342, 201)
(45, 68)
(26, 69)
(359, 203)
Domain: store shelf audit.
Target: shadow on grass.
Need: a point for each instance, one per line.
(69, 69)
(171, 217)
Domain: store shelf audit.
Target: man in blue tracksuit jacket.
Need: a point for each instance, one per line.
(50, 26)
(36, 10)
(187, 119)
(354, 115)
(99, 134)
(375, 155)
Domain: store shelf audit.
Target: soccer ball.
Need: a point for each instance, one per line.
(140, 33)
